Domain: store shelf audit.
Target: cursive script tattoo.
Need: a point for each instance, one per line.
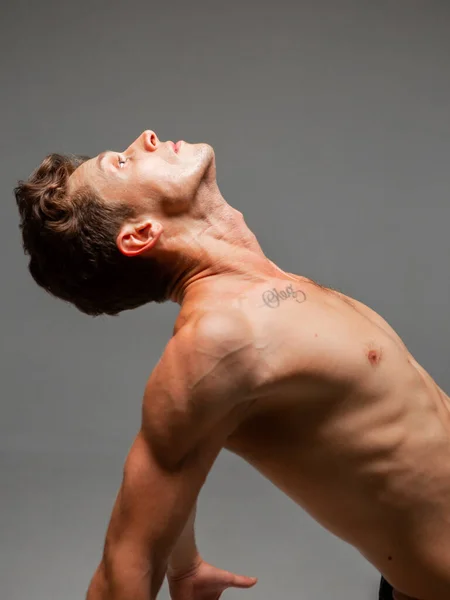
(273, 297)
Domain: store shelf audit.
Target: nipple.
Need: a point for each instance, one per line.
(374, 356)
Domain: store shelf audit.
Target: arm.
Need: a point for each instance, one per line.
(188, 413)
(97, 589)
(154, 504)
(185, 554)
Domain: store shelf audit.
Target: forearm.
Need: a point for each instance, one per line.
(126, 570)
(152, 524)
(132, 568)
(185, 555)
(120, 578)
(98, 587)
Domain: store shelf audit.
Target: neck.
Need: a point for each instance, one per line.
(216, 252)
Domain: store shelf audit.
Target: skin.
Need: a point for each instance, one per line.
(182, 215)
(341, 418)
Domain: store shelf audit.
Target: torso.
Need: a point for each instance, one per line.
(358, 435)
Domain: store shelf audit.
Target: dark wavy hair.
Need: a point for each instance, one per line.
(71, 241)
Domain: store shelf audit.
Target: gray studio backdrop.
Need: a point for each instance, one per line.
(330, 122)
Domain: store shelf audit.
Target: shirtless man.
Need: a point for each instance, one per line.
(312, 388)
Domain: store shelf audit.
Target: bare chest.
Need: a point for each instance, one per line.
(361, 423)
(325, 362)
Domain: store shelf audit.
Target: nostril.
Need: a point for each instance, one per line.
(151, 138)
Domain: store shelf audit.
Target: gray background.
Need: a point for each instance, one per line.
(331, 129)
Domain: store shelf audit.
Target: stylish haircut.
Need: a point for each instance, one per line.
(71, 241)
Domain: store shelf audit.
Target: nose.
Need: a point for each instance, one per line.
(150, 140)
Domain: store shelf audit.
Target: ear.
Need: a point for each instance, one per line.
(139, 237)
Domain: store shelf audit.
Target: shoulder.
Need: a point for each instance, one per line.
(226, 331)
(206, 371)
(217, 346)
(213, 324)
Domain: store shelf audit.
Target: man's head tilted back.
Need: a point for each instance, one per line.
(105, 233)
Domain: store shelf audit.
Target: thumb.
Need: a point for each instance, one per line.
(242, 581)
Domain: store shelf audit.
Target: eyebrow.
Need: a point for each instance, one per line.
(101, 157)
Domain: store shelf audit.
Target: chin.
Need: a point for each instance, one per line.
(208, 153)
(203, 149)
(203, 155)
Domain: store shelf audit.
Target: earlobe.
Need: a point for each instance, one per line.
(137, 238)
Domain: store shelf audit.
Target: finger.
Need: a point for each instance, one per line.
(242, 581)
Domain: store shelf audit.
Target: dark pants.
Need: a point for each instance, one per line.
(386, 590)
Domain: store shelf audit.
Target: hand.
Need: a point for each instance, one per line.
(205, 582)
